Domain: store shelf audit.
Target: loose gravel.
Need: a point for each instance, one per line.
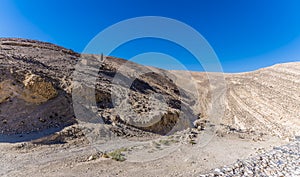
(281, 161)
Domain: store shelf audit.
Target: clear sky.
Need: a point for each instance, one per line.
(246, 35)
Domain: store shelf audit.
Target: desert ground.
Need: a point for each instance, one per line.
(67, 114)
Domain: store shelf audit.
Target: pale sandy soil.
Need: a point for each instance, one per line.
(186, 160)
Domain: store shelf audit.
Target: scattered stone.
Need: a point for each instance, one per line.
(281, 161)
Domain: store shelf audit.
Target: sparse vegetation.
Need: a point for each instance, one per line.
(168, 142)
(156, 145)
(165, 142)
(192, 142)
(118, 155)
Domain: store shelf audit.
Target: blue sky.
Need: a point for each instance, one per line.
(246, 35)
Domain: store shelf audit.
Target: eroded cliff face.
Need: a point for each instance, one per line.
(128, 94)
(37, 82)
(34, 91)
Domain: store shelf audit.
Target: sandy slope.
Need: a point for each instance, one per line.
(267, 100)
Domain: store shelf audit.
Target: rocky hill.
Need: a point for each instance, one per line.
(36, 84)
(37, 79)
(168, 117)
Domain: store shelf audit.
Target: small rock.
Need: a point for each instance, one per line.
(91, 158)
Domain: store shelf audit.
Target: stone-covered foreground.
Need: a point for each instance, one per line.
(281, 161)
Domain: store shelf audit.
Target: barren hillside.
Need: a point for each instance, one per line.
(38, 81)
(74, 114)
(266, 100)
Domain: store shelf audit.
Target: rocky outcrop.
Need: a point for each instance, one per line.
(34, 89)
(131, 94)
(39, 87)
(38, 80)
